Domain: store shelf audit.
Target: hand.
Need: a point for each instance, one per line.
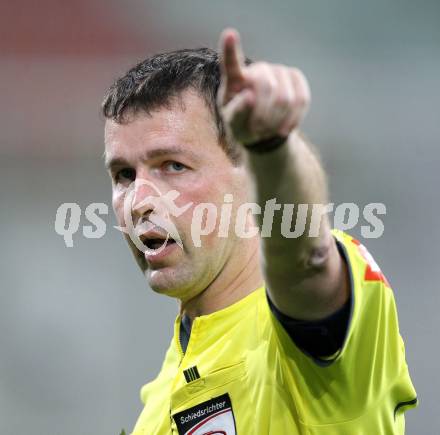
(261, 100)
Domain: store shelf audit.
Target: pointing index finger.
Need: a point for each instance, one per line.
(231, 59)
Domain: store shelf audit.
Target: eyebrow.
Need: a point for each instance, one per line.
(149, 155)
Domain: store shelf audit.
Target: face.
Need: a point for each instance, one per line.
(175, 148)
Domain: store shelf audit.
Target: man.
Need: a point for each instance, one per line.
(276, 335)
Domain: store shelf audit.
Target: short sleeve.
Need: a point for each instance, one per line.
(373, 348)
(367, 381)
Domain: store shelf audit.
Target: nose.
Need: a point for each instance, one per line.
(143, 202)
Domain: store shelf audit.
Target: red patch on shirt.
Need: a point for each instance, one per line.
(372, 271)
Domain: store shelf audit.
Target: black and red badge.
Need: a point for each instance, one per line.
(213, 417)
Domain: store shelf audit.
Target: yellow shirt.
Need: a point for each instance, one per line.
(242, 374)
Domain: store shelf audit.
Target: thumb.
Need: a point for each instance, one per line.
(236, 112)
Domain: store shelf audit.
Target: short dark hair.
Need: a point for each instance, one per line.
(154, 82)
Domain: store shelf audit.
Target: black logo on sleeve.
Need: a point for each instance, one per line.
(213, 417)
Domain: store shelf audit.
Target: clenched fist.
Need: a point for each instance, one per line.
(258, 101)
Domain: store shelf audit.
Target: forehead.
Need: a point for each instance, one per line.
(186, 122)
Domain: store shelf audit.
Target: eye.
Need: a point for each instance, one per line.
(174, 167)
(124, 175)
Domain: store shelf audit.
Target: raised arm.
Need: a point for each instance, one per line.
(262, 106)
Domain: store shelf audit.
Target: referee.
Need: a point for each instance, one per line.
(275, 335)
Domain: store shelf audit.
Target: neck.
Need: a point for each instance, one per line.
(231, 284)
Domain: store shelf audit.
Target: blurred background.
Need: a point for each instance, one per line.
(80, 333)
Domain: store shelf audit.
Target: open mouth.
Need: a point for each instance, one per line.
(156, 243)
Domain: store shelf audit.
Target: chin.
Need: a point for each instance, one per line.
(169, 283)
